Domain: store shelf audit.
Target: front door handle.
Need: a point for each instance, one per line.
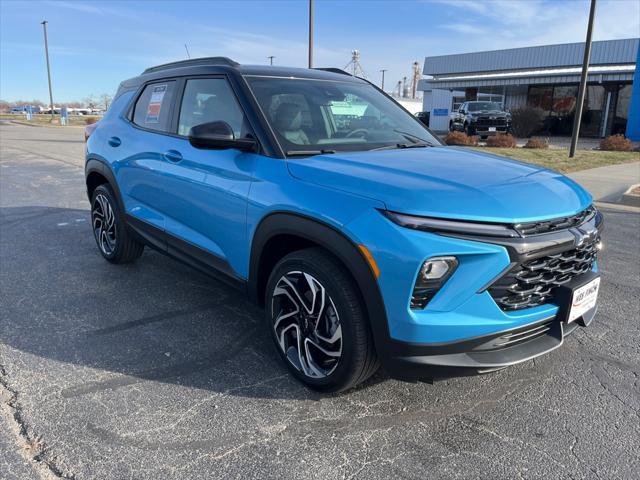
(114, 141)
(172, 156)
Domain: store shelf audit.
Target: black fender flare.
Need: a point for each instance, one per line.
(101, 167)
(343, 248)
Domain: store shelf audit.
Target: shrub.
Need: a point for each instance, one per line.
(526, 120)
(501, 140)
(537, 143)
(616, 143)
(90, 120)
(460, 138)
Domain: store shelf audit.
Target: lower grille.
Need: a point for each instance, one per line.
(532, 283)
(521, 335)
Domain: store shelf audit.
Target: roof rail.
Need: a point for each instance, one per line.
(334, 70)
(193, 62)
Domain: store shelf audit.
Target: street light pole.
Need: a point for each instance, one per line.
(46, 51)
(583, 82)
(382, 86)
(271, 57)
(310, 33)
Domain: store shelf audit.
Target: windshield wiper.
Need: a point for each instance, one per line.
(306, 153)
(414, 138)
(402, 145)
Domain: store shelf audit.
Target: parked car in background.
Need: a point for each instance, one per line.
(480, 118)
(366, 240)
(424, 117)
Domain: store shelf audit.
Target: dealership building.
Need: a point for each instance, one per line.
(545, 77)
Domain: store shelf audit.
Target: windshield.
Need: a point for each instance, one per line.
(325, 116)
(477, 106)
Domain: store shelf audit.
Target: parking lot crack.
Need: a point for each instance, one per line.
(30, 445)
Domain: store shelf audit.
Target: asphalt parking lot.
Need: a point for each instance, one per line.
(154, 371)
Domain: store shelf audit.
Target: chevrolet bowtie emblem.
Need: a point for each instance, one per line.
(582, 235)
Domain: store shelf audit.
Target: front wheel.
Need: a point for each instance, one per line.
(114, 241)
(469, 130)
(318, 323)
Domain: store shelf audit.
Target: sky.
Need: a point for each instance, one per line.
(94, 45)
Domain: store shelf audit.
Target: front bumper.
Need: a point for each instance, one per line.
(482, 354)
(463, 330)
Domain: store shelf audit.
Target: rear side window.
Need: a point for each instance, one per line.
(153, 108)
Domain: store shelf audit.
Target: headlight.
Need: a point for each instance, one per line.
(429, 224)
(432, 276)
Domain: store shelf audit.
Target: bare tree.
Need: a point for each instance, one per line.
(90, 101)
(105, 99)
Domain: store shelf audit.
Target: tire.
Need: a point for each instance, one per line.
(337, 347)
(109, 230)
(469, 130)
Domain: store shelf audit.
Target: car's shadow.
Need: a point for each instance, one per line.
(154, 320)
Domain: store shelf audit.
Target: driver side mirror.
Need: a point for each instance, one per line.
(219, 135)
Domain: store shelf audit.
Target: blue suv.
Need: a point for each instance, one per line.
(366, 240)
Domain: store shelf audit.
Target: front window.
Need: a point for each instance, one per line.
(480, 106)
(326, 116)
(208, 100)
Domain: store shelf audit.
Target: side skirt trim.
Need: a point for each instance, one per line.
(186, 252)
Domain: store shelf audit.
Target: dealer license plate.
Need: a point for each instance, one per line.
(584, 299)
(492, 129)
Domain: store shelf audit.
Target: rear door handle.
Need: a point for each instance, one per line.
(114, 142)
(172, 156)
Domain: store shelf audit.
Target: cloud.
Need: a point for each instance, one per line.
(467, 29)
(540, 22)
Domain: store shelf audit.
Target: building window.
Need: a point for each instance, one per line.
(622, 110)
(541, 97)
(592, 113)
(457, 102)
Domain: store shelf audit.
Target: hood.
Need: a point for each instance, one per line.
(499, 113)
(447, 182)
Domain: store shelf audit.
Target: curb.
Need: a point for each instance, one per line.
(27, 124)
(618, 206)
(18, 122)
(629, 199)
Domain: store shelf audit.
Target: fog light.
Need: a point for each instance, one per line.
(432, 276)
(436, 268)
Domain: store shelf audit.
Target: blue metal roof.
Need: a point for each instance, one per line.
(608, 52)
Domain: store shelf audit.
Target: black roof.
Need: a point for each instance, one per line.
(202, 66)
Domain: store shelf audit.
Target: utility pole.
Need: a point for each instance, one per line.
(583, 82)
(46, 51)
(271, 57)
(382, 71)
(310, 33)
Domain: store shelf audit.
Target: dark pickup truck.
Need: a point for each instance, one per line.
(480, 118)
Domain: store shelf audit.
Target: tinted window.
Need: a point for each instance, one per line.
(210, 100)
(153, 108)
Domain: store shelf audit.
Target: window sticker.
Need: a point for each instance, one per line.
(155, 104)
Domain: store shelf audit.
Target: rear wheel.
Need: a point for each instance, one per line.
(318, 323)
(114, 241)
